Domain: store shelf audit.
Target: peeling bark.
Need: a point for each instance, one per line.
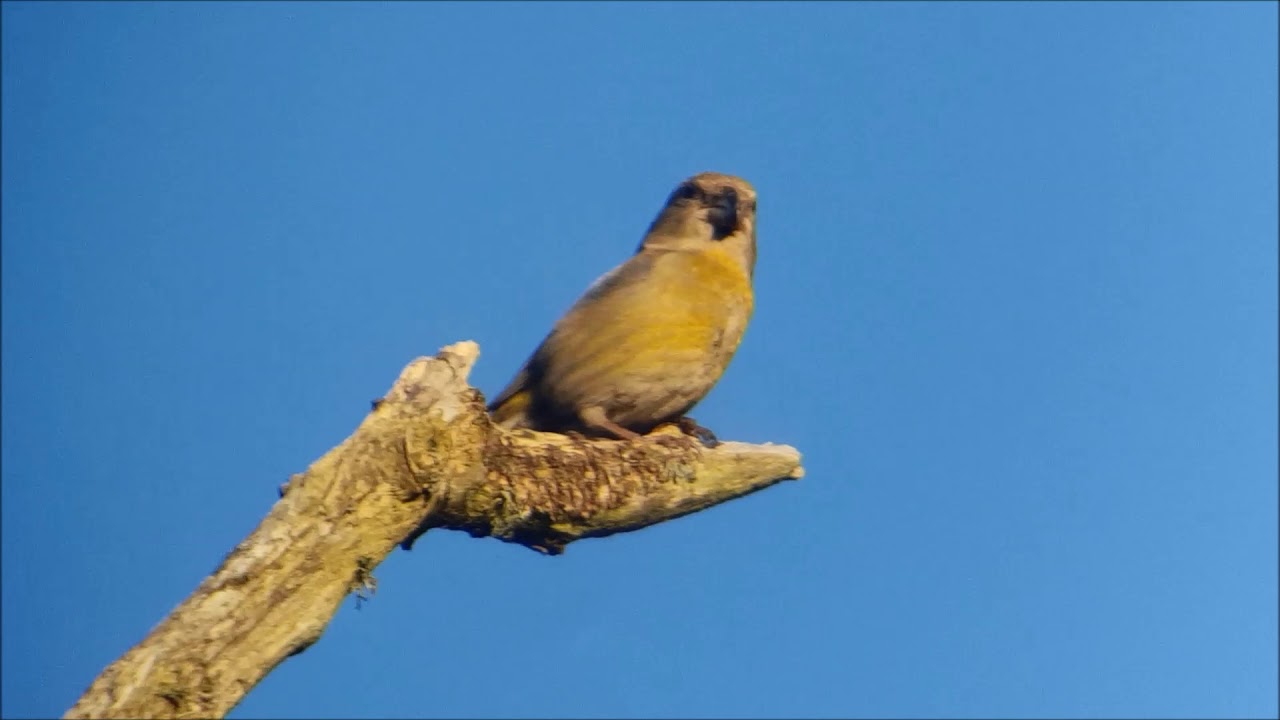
(426, 456)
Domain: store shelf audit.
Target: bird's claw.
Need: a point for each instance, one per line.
(690, 427)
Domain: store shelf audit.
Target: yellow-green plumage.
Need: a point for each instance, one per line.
(649, 339)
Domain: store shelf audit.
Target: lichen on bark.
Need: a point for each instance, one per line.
(426, 456)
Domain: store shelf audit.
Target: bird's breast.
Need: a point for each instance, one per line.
(652, 340)
(671, 311)
(699, 301)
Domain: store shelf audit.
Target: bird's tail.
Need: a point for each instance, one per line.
(510, 408)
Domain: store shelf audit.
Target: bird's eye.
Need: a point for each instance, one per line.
(687, 192)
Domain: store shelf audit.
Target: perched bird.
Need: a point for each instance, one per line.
(650, 338)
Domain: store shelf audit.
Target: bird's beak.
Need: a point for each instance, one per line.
(723, 215)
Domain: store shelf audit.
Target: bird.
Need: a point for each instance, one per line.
(649, 339)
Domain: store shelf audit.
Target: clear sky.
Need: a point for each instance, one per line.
(1016, 304)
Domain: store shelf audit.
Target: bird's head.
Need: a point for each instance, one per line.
(708, 208)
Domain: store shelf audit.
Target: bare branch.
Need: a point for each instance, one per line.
(427, 456)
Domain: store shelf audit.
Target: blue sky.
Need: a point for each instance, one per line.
(1016, 304)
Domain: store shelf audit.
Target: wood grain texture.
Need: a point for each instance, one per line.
(427, 456)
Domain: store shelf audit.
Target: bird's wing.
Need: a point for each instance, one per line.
(596, 312)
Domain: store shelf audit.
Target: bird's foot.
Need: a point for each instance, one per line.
(690, 427)
(596, 419)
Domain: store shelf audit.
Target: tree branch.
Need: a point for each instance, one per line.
(427, 456)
